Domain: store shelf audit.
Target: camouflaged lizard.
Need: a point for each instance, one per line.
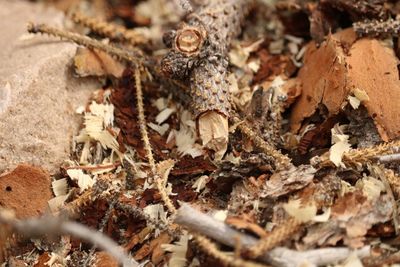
(199, 52)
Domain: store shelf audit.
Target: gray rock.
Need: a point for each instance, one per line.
(38, 94)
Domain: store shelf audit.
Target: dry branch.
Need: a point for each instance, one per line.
(132, 57)
(57, 226)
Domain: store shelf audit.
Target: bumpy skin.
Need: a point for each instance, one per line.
(377, 28)
(217, 23)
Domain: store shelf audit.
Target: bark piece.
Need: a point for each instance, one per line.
(342, 66)
(26, 190)
(323, 81)
(372, 67)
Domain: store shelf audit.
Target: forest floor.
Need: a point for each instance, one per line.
(204, 133)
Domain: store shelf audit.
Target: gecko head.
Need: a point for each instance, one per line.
(186, 44)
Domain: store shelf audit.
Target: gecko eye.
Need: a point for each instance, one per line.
(189, 40)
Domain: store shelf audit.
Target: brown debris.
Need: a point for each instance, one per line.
(103, 259)
(26, 190)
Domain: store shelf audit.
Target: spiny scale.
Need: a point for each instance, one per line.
(377, 28)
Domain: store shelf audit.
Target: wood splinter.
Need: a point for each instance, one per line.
(198, 56)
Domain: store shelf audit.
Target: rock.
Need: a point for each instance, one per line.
(38, 94)
(25, 190)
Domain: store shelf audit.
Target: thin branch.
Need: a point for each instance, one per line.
(204, 224)
(135, 58)
(282, 161)
(94, 167)
(57, 226)
(163, 170)
(109, 30)
(142, 121)
(389, 158)
(211, 249)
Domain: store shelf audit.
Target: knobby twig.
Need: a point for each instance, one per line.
(58, 226)
(204, 224)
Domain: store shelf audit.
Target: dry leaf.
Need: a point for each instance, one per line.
(89, 62)
(302, 213)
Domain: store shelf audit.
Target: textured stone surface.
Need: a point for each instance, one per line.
(38, 94)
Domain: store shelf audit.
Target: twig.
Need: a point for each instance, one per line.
(389, 158)
(204, 224)
(208, 226)
(57, 226)
(142, 121)
(163, 170)
(135, 58)
(279, 234)
(210, 248)
(109, 30)
(94, 167)
(367, 154)
(282, 161)
(362, 156)
(284, 257)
